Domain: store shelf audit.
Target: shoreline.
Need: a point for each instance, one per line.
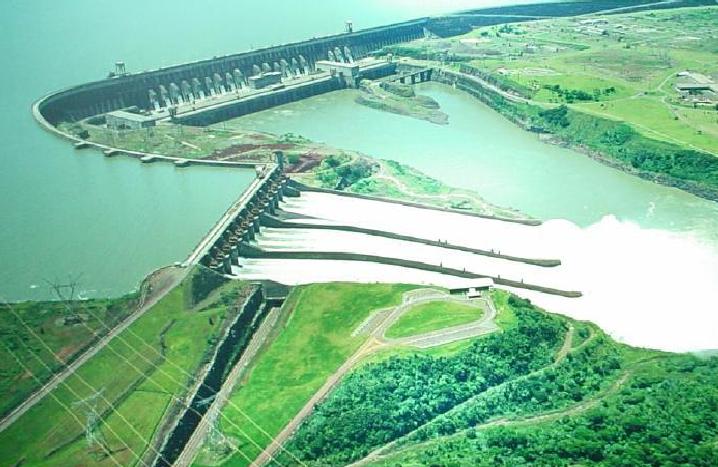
(688, 186)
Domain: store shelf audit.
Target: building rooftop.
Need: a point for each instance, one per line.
(131, 116)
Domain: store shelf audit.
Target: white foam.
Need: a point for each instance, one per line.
(647, 287)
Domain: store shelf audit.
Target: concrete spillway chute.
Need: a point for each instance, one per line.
(295, 66)
(186, 91)
(284, 67)
(338, 55)
(266, 68)
(348, 54)
(197, 89)
(217, 82)
(303, 64)
(230, 85)
(256, 70)
(238, 78)
(154, 103)
(164, 96)
(331, 57)
(209, 86)
(176, 94)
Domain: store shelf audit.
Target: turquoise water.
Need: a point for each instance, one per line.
(481, 150)
(114, 221)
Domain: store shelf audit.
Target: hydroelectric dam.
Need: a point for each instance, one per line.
(213, 90)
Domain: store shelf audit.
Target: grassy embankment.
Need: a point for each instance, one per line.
(616, 79)
(136, 379)
(315, 339)
(431, 316)
(57, 324)
(394, 180)
(546, 390)
(185, 141)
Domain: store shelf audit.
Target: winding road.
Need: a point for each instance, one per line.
(375, 327)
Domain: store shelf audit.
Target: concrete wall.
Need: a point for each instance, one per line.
(259, 102)
(227, 353)
(84, 100)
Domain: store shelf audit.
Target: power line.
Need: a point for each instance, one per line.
(63, 405)
(153, 365)
(242, 412)
(79, 377)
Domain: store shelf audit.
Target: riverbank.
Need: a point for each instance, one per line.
(400, 99)
(610, 142)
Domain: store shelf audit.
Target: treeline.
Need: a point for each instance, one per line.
(664, 415)
(572, 95)
(616, 142)
(619, 141)
(381, 402)
(579, 377)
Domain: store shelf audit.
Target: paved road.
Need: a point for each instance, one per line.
(175, 278)
(376, 326)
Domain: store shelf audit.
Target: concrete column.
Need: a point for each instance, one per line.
(227, 264)
(234, 254)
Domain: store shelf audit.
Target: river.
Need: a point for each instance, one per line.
(66, 213)
(645, 255)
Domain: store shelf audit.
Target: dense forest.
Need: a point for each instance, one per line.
(547, 391)
(665, 414)
(384, 401)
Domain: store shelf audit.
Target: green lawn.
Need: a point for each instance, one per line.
(138, 373)
(18, 323)
(505, 316)
(430, 316)
(315, 341)
(657, 120)
(628, 73)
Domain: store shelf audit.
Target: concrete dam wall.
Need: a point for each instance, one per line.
(177, 83)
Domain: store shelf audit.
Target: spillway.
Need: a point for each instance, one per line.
(618, 270)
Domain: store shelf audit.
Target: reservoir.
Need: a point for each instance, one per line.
(638, 250)
(644, 255)
(111, 222)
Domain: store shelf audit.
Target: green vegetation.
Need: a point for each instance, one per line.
(65, 329)
(547, 391)
(616, 75)
(431, 316)
(663, 415)
(342, 171)
(384, 401)
(188, 142)
(316, 339)
(400, 99)
(132, 384)
(399, 181)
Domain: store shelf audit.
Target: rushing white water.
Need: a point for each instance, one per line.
(646, 287)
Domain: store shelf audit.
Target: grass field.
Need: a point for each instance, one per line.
(505, 316)
(431, 316)
(315, 341)
(62, 337)
(619, 66)
(133, 381)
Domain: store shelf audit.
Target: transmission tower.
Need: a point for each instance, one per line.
(93, 435)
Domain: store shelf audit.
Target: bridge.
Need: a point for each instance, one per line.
(412, 75)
